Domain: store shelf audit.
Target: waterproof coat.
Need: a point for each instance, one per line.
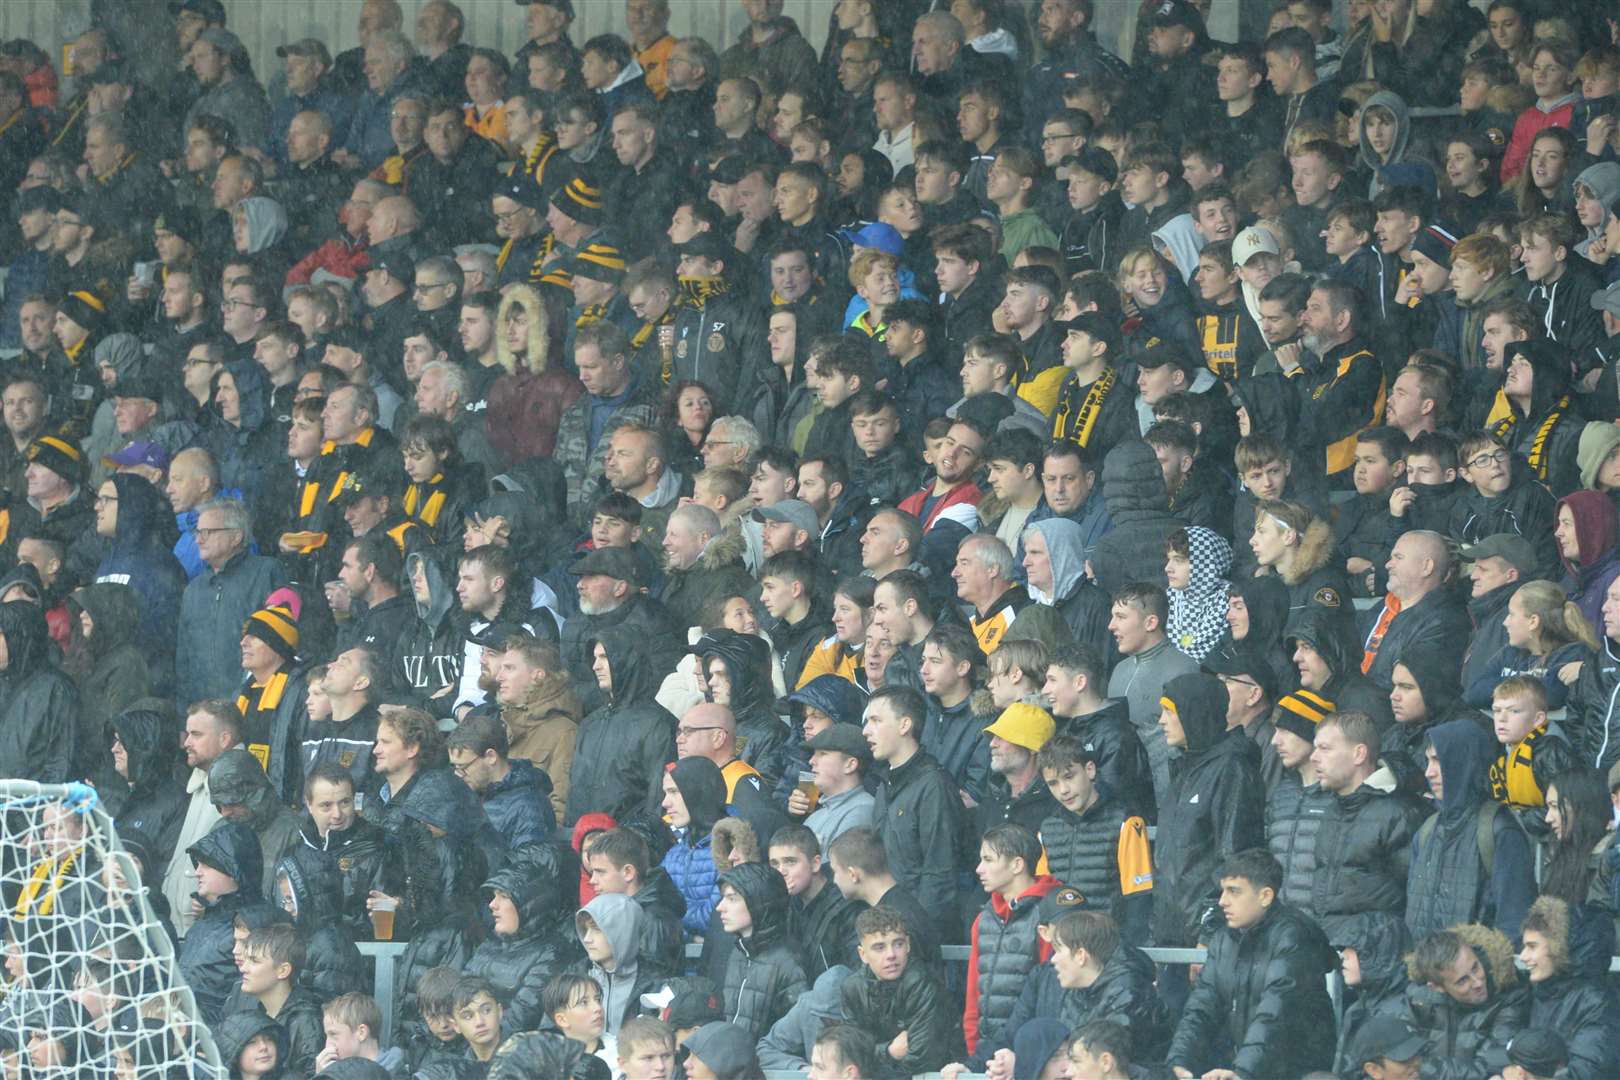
(109, 667)
(204, 957)
(212, 610)
(917, 812)
(544, 944)
(156, 800)
(363, 856)
(622, 746)
(1263, 990)
(43, 732)
(915, 1003)
(236, 779)
(762, 737)
(1469, 1042)
(1214, 808)
(1139, 504)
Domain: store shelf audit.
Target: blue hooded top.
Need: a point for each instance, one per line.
(142, 557)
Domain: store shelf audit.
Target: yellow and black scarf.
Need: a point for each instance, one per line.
(696, 292)
(49, 871)
(1085, 420)
(1513, 777)
(431, 506)
(270, 695)
(1502, 420)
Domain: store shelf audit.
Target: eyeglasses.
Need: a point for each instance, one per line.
(683, 731)
(200, 531)
(232, 305)
(102, 500)
(424, 286)
(1495, 457)
(512, 214)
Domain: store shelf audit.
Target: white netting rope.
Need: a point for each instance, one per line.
(91, 988)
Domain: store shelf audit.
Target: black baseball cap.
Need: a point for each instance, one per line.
(1096, 326)
(1157, 356)
(211, 10)
(1094, 160)
(1243, 660)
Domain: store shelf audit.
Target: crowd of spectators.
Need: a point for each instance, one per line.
(681, 541)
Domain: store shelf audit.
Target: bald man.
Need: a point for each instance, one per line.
(710, 731)
(391, 219)
(1420, 612)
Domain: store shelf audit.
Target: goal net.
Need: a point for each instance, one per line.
(91, 987)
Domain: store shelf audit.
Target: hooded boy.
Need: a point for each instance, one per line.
(43, 732)
(1470, 862)
(230, 879)
(1084, 606)
(609, 929)
(1328, 675)
(694, 799)
(142, 557)
(1215, 805)
(1532, 412)
(763, 976)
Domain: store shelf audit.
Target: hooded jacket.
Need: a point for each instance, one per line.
(142, 556)
(1367, 156)
(544, 944)
(44, 735)
(363, 856)
(109, 667)
(1084, 606)
(1469, 1042)
(1401, 747)
(430, 650)
(156, 800)
(1597, 529)
(689, 862)
(1546, 434)
(762, 737)
(543, 730)
(332, 964)
(237, 779)
(1133, 550)
(1577, 1001)
(1448, 882)
(204, 957)
(1381, 945)
(241, 1028)
(1262, 988)
(623, 746)
(763, 975)
(688, 595)
(244, 449)
(1347, 689)
(620, 919)
(1266, 600)
(1215, 806)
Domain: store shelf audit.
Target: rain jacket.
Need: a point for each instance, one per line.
(237, 779)
(204, 956)
(1215, 807)
(1266, 599)
(689, 862)
(241, 1028)
(788, 1045)
(1347, 689)
(142, 556)
(1577, 1001)
(246, 450)
(1122, 760)
(623, 746)
(1547, 435)
(1133, 550)
(917, 813)
(544, 944)
(1592, 705)
(519, 806)
(364, 858)
(1469, 1042)
(156, 800)
(109, 668)
(1262, 988)
(537, 1053)
(44, 735)
(763, 975)
(621, 919)
(1449, 881)
(212, 610)
(689, 595)
(430, 651)
(762, 737)
(332, 964)
(1525, 509)
(1438, 621)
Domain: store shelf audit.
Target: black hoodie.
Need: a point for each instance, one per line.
(623, 746)
(1215, 806)
(110, 667)
(205, 955)
(1347, 688)
(520, 964)
(761, 735)
(763, 977)
(1546, 434)
(156, 800)
(1402, 746)
(1266, 599)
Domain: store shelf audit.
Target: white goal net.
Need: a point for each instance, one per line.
(90, 984)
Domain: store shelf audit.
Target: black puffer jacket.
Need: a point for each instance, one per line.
(1133, 488)
(332, 964)
(1469, 1042)
(688, 595)
(1294, 816)
(43, 732)
(538, 1053)
(1381, 945)
(915, 1003)
(1123, 994)
(661, 639)
(156, 800)
(1083, 851)
(1263, 990)
(205, 954)
(1362, 852)
(521, 963)
(1216, 807)
(662, 908)
(241, 1028)
(623, 746)
(763, 977)
(1578, 1001)
(762, 737)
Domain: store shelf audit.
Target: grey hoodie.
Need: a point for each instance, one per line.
(1602, 179)
(266, 222)
(1178, 239)
(1403, 136)
(1066, 549)
(620, 919)
(788, 1044)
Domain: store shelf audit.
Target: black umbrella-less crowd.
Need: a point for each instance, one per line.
(681, 546)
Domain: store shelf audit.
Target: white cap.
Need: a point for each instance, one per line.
(1251, 242)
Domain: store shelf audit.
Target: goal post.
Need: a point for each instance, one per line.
(91, 985)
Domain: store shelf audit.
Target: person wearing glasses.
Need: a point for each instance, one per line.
(1502, 496)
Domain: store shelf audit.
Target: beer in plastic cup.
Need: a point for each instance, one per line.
(382, 918)
(807, 784)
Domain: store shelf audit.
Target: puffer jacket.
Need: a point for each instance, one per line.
(1083, 851)
(1215, 807)
(431, 649)
(918, 814)
(332, 964)
(1577, 1001)
(521, 963)
(662, 909)
(519, 806)
(204, 957)
(690, 594)
(689, 862)
(1123, 994)
(1469, 1042)
(623, 746)
(1139, 504)
(1436, 623)
(156, 801)
(241, 1028)
(109, 667)
(1363, 848)
(1262, 989)
(1294, 816)
(1525, 509)
(538, 1053)
(1004, 948)
(364, 857)
(915, 1003)
(236, 779)
(43, 733)
(762, 737)
(763, 975)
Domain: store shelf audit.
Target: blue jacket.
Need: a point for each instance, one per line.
(185, 548)
(689, 863)
(520, 806)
